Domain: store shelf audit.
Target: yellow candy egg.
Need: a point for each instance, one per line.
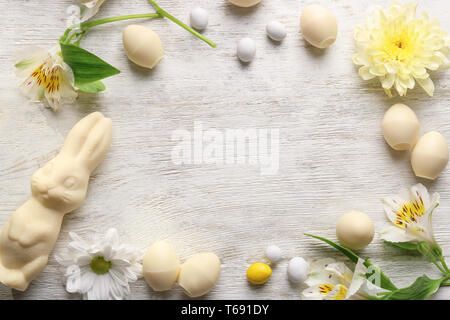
(258, 273)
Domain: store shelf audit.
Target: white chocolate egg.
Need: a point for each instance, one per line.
(199, 274)
(276, 30)
(142, 46)
(246, 49)
(318, 26)
(245, 3)
(161, 266)
(199, 18)
(430, 155)
(355, 230)
(297, 270)
(400, 127)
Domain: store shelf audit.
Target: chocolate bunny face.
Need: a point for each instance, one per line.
(62, 183)
(59, 186)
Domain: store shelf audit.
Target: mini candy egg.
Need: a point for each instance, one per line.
(161, 266)
(318, 25)
(246, 50)
(276, 31)
(199, 274)
(245, 3)
(142, 46)
(355, 230)
(199, 18)
(273, 253)
(297, 270)
(258, 273)
(400, 127)
(430, 155)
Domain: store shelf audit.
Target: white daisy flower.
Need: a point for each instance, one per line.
(411, 213)
(331, 280)
(45, 76)
(101, 267)
(89, 8)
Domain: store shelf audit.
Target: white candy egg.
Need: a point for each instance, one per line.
(273, 253)
(199, 274)
(400, 127)
(318, 25)
(245, 3)
(297, 270)
(355, 230)
(246, 49)
(199, 18)
(430, 155)
(142, 46)
(161, 266)
(276, 30)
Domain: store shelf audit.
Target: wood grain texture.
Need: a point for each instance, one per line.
(332, 155)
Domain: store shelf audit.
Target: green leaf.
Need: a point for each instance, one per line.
(385, 282)
(410, 246)
(86, 67)
(92, 87)
(421, 289)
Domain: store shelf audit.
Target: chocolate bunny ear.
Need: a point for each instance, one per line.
(78, 135)
(89, 140)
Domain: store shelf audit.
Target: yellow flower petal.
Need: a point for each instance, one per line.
(398, 47)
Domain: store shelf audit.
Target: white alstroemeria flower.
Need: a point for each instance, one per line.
(411, 213)
(331, 280)
(101, 267)
(89, 8)
(45, 76)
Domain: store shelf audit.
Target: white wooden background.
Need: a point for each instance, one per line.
(332, 155)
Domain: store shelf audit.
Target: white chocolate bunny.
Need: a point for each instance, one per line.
(59, 187)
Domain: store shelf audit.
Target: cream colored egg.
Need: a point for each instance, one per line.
(318, 26)
(355, 230)
(199, 274)
(142, 46)
(430, 155)
(245, 3)
(161, 266)
(400, 127)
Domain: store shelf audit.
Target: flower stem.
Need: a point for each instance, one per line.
(164, 13)
(90, 24)
(444, 264)
(437, 265)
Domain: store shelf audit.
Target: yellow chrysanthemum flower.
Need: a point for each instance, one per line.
(399, 48)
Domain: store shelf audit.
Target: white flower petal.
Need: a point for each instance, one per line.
(87, 281)
(359, 278)
(90, 8)
(394, 234)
